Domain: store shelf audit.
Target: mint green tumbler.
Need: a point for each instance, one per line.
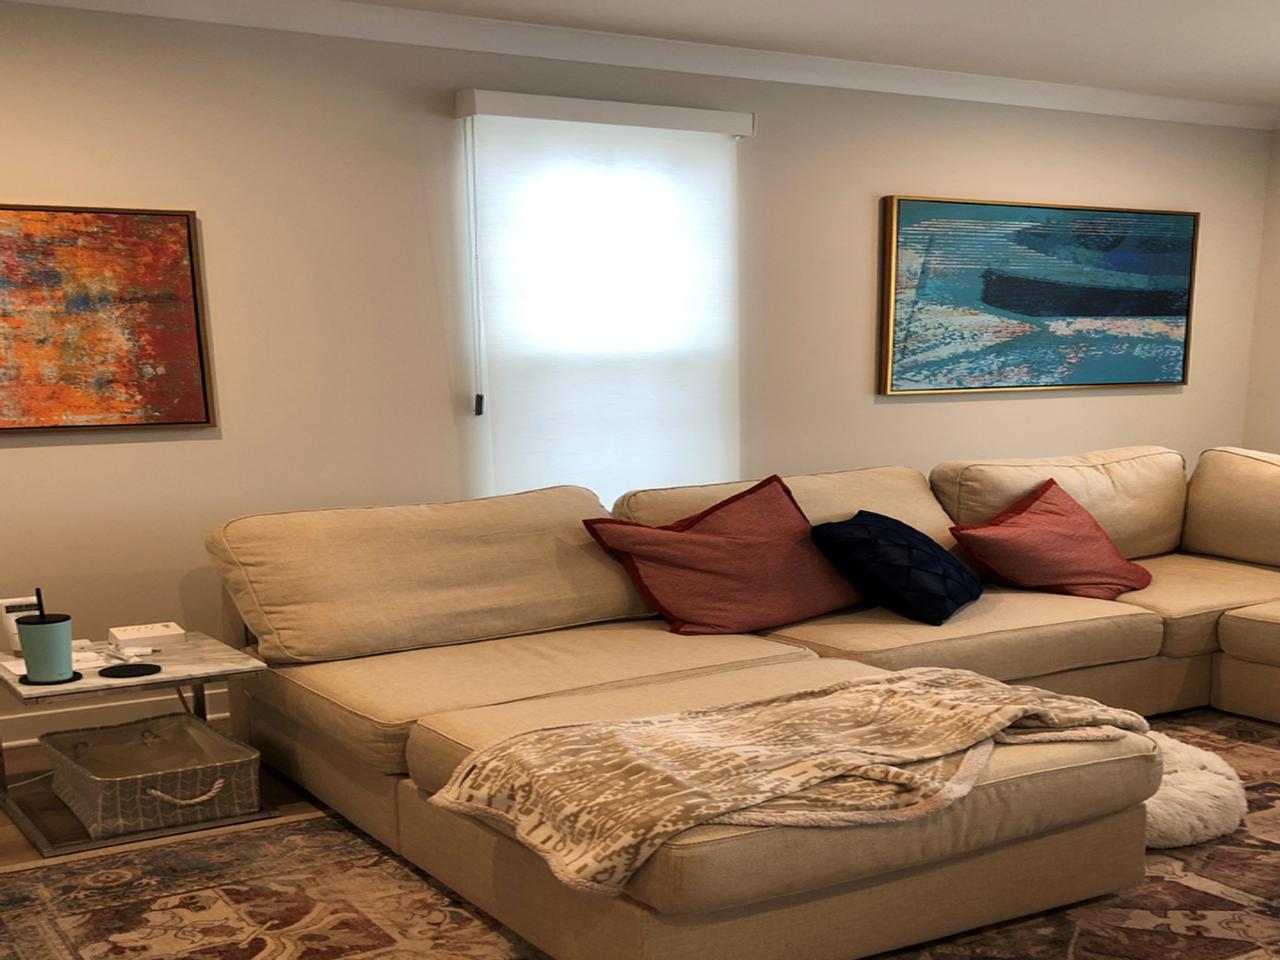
(46, 647)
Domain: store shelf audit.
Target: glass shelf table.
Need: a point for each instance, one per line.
(192, 661)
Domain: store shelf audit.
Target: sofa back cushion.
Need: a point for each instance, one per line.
(898, 492)
(1048, 542)
(1233, 506)
(331, 584)
(1137, 494)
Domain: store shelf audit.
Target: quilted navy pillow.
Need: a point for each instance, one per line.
(897, 566)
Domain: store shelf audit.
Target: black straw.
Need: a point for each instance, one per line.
(40, 602)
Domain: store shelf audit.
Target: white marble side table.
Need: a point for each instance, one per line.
(192, 661)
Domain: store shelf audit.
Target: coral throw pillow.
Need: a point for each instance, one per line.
(1047, 541)
(745, 564)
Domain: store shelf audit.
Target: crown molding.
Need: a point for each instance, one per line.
(339, 18)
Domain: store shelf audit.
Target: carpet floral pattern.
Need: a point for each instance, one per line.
(317, 890)
(308, 890)
(1213, 901)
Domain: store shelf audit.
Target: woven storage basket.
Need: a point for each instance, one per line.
(147, 774)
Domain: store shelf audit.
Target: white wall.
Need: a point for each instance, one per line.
(811, 184)
(1262, 425)
(322, 171)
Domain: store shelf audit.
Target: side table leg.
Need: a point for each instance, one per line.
(197, 701)
(18, 815)
(4, 777)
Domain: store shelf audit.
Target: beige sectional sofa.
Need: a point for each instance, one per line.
(402, 638)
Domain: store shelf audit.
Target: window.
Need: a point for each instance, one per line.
(604, 297)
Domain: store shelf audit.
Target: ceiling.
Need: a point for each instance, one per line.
(1218, 50)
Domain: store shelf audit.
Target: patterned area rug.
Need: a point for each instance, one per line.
(317, 890)
(1213, 901)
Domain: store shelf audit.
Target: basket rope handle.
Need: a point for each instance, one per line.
(212, 792)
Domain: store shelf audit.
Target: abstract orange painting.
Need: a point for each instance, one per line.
(100, 319)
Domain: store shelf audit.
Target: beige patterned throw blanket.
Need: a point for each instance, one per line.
(595, 800)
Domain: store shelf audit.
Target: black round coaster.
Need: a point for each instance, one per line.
(117, 670)
(76, 675)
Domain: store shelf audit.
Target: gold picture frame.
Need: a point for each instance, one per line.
(1068, 260)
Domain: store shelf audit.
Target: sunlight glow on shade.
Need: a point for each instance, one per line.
(597, 255)
(606, 258)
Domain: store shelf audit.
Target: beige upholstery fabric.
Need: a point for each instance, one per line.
(1137, 494)
(369, 705)
(1026, 790)
(324, 767)
(439, 742)
(1005, 633)
(1191, 592)
(838, 923)
(1242, 686)
(1233, 506)
(1150, 686)
(327, 584)
(899, 492)
(1252, 633)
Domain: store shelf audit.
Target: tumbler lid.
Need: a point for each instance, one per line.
(41, 619)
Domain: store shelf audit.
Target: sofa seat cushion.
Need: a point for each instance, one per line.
(438, 742)
(1006, 633)
(1191, 592)
(1252, 633)
(1026, 790)
(368, 705)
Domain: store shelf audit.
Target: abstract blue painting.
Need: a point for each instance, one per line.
(1001, 296)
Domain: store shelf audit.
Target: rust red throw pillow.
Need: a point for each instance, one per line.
(745, 564)
(1047, 541)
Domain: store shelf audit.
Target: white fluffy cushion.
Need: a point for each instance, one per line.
(1200, 796)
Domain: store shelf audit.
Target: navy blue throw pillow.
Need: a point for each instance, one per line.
(897, 566)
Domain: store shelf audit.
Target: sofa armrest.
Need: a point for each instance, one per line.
(1233, 506)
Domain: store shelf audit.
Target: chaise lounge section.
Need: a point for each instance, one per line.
(757, 893)
(403, 638)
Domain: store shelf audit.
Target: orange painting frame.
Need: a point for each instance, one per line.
(102, 320)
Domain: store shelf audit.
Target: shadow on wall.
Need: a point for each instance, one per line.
(94, 436)
(199, 598)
